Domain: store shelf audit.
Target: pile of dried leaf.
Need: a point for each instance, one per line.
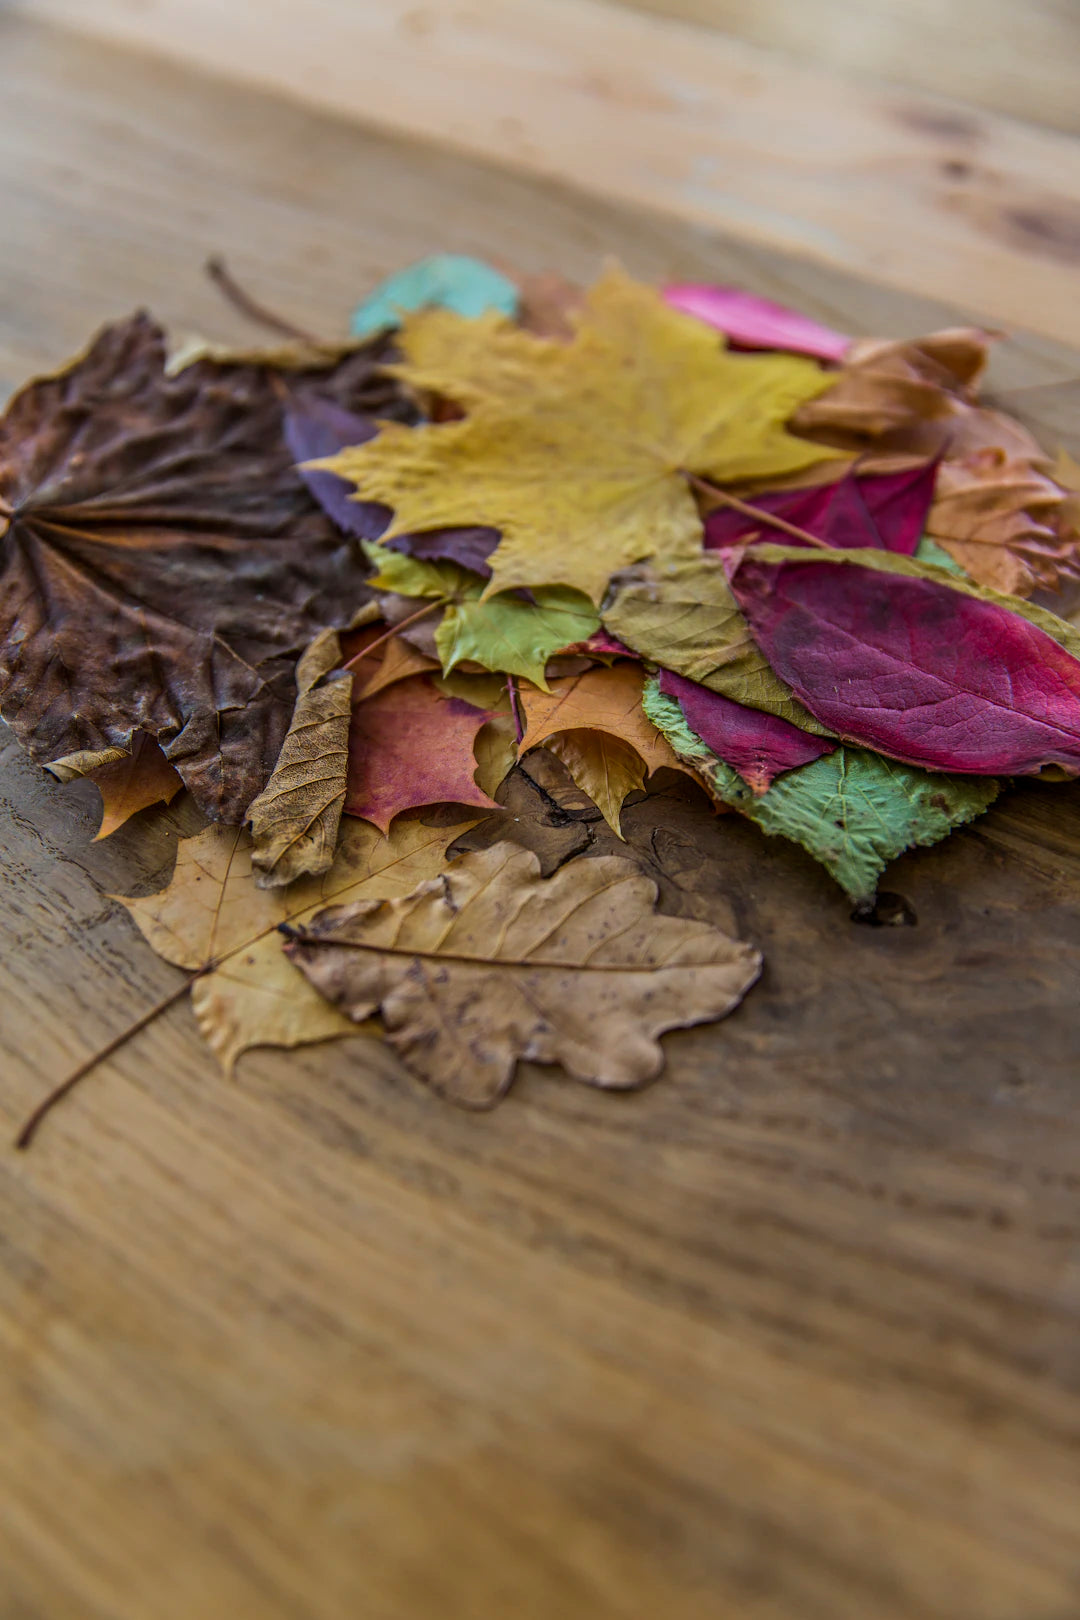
(642, 530)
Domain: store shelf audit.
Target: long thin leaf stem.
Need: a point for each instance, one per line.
(30, 1128)
(512, 694)
(767, 519)
(231, 289)
(421, 613)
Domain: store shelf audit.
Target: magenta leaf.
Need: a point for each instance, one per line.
(759, 746)
(880, 513)
(918, 671)
(314, 429)
(750, 322)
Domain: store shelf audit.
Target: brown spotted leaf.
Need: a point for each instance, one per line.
(491, 963)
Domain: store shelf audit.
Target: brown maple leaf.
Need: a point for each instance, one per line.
(162, 566)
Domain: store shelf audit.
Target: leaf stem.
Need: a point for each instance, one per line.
(231, 289)
(512, 694)
(30, 1127)
(768, 519)
(421, 613)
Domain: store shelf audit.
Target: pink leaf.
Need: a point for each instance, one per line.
(884, 513)
(750, 322)
(759, 746)
(915, 670)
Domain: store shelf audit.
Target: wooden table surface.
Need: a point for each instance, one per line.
(790, 1336)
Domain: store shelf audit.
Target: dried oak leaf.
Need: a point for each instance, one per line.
(594, 724)
(127, 781)
(162, 566)
(212, 913)
(491, 963)
(579, 453)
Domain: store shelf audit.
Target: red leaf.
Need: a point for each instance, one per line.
(750, 322)
(759, 746)
(916, 670)
(410, 746)
(884, 513)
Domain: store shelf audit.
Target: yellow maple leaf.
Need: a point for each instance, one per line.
(580, 453)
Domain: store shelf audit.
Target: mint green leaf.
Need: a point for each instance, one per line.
(928, 551)
(448, 280)
(853, 810)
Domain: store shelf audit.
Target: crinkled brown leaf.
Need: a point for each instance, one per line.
(163, 566)
(491, 963)
(212, 912)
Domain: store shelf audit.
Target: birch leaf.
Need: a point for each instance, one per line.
(578, 453)
(491, 963)
(212, 911)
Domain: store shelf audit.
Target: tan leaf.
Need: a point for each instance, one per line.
(294, 821)
(997, 508)
(595, 724)
(212, 912)
(491, 963)
(399, 660)
(127, 782)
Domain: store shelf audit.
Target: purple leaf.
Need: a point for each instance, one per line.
(914, 669)
(315, 428)
(759, 746)
(757, 323)
(883, 513)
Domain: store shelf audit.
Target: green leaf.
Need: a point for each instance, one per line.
(928, 551)
(683, 616)
(445, 280)
(852, 810)
(508, 632)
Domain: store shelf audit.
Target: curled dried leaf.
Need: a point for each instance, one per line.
(491, 963)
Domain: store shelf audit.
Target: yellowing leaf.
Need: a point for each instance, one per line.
(595, 724)
(491, 963)
(127, 782)
(684, 617)
(504, 632)
(579, 453)
(399, 661)
(211, 911)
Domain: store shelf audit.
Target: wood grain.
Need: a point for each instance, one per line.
(790, 1336)
(988, 53)
(916, 191)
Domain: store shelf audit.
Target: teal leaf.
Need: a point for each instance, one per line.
(448, 280)
(853, 810)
